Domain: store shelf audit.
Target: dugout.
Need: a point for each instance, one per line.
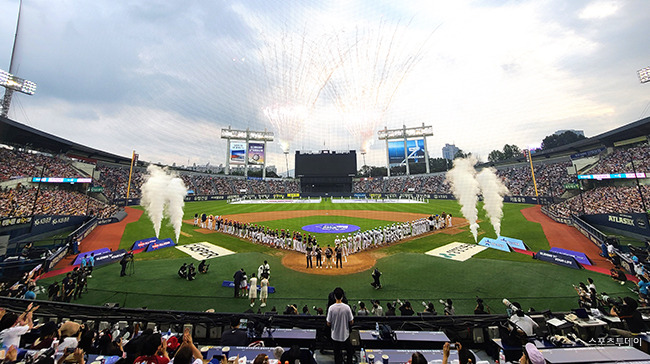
(326, 172)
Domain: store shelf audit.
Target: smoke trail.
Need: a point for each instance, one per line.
(176, 192)
(466, 189)
(493, 191)
(153, 195)
(163, 195)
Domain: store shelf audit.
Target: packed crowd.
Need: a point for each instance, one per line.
(114, 179)
(19, 164)
(22, 201)
(601, 200)
(620, 160)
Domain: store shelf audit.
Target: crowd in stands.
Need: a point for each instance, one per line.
(114, 179)
(601, 200)
(18, 164)
(22, 201)
(621, 159)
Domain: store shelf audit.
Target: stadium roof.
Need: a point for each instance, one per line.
(20, 135)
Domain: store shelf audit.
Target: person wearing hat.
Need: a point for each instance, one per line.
(532, 355)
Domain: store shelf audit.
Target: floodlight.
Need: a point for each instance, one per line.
(644, 74)
(16, 83)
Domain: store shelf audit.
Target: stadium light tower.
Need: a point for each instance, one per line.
(644, 74)
(13, 83)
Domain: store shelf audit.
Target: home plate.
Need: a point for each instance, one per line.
(204, 250)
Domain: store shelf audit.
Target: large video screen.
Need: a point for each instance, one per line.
(326, 164)
(415, 151)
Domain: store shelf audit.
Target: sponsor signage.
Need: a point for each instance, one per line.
(97, 252)
(255, 153)
(636, 223)
(96, 189)
(204, 250)
(11, 221)
(514, 243)
(292, 195)
(612, 176)
(109, 257)
(456, 251)
(578, 256)
(60, 180)
(495, 244)
(159, 244)
(106, 221)
(237, 152)
(559, 259)
(571, 186)
(141, 244)
(359, 195)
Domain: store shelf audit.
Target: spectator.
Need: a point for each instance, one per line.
(154, 351)
(405, 308)
(13, 326)
(631, 316)
(339, 318)
(235, 336)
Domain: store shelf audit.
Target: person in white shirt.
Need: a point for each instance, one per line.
(252, 289)
(13, 327)
(340, 318)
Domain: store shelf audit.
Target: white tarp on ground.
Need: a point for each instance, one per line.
(204, 250)
(456, 251)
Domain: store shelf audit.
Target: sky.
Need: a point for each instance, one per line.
(164, 77)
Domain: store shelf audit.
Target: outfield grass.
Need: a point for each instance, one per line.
(407, 272)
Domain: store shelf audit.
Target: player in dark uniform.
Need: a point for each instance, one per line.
(308, 254)
(318, 251)
(339, 256)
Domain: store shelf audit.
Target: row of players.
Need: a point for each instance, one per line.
(306, 243)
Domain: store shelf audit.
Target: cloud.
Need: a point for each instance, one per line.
(165, 77)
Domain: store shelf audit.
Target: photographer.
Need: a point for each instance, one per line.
(449, 307)
(182, 271)
(405, 309)
(191, 272)
(480, 308)
(377, 310)
(390, 309)
(521, 325)
(363, 311)
(375, 276)
(628, 313)
(126, 259)
(429, 309)
(203, 267)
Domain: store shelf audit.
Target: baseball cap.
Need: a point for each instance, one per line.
(534, 355)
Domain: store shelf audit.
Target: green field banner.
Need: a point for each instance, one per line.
(571, 186)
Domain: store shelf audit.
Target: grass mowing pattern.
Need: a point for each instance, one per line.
(408, 274)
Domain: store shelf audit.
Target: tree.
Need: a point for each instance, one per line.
(509, 151)
(554, 141)
(461, 154)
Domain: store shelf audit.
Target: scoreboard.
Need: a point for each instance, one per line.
(326, 163)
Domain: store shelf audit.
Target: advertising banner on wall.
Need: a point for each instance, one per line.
(415, 151)
(636, 223)
(237, 152)
(256, 153)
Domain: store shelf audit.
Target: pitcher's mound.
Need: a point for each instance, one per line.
(356, 263)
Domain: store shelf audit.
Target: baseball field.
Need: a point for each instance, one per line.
(408, 273)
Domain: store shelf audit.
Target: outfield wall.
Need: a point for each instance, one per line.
(544, 200)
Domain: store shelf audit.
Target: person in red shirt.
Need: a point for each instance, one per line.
(154, 351)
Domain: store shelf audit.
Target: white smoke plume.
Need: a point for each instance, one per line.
(462, 178)
(163, 195)
(493, 191)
